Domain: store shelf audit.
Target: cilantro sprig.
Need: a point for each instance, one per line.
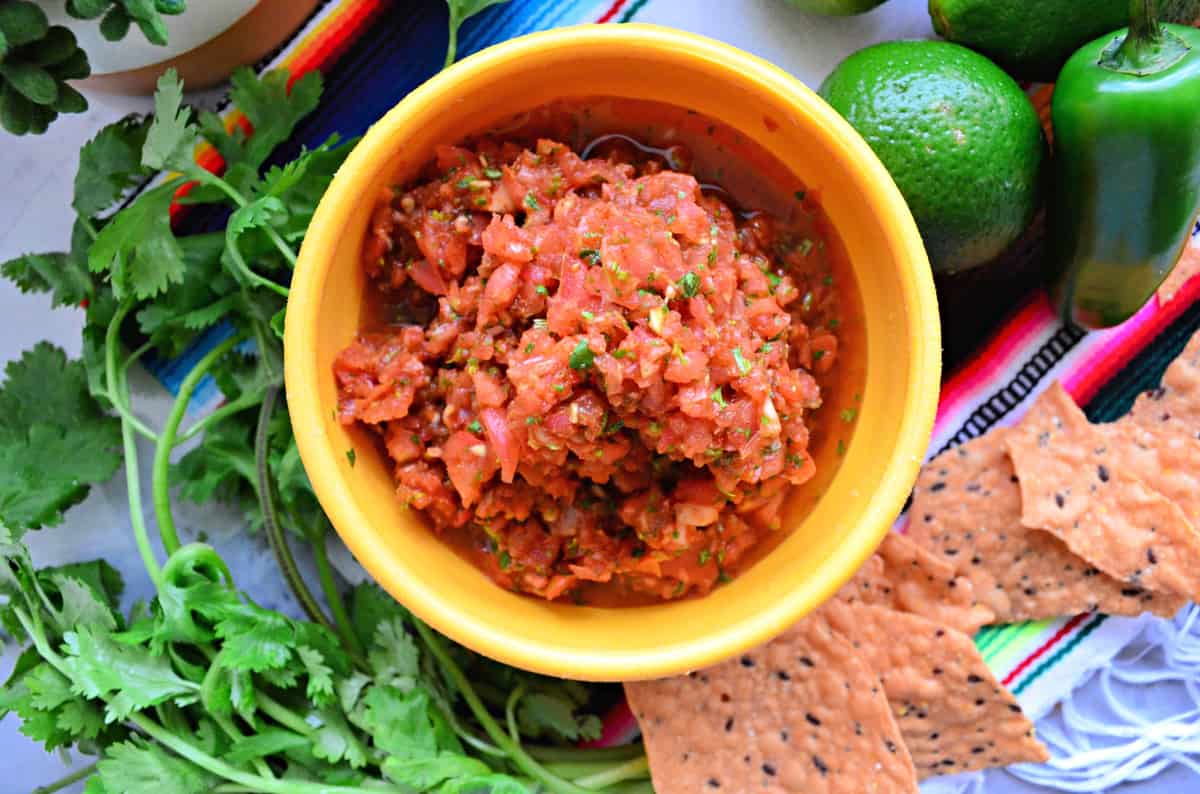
(202, 686)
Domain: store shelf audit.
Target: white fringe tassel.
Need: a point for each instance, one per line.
(1132, 720)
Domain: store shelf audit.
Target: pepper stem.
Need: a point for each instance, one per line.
(1143, 22)
(1147, 48)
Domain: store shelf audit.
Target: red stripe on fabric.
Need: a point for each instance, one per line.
(1072, 624)
(612, 11)
(620, 727)
(1004, 345)
(1138, 334)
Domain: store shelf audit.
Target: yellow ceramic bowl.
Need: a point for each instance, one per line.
(826, 544)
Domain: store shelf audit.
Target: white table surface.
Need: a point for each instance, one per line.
(35, 189)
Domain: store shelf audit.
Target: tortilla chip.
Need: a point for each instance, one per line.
(904, 577)
(1166, 461)
(1074, 486)
(967, 510)
(801, 713)
(952, 712)
(1184, 271)
(1175, 405)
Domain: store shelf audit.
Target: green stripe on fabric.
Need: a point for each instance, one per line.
(1016, 643)
(986, 636)
(1144, 371)
(633, 10)
(1060, 653)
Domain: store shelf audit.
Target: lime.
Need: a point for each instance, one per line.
(958, 135)
(837, 8)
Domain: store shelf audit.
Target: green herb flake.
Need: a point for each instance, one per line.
(724, 578)
(817, 355)
(475, 427)
(833, 324)
(587, 315)
(558, 387)
(351, 456)
(581, 357)
(689, 284)
(529, 347)
(493, 173)
(848, 415)
(718, 398)
(743, 365)
(800, 194)
(531, 202)
(533, 420)
(705, 554)
(841, 447)
(622, 353)
(805, 247)
(540, 289)
(505, 560)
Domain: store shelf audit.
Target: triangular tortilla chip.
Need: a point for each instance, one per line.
(906, 577)
(967, 509)
(802, 713)
(1076, 488)
(952, 712)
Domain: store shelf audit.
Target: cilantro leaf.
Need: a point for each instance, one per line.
(320, 675)
(255, 639)
(336, 741)
(399, 722)
(109, 165)
(394, 655)
(172, 138)
(543, 714)
(138, 249)
(129, 678)
(424, 774)
(59, 274)
(272, 108)
(492, 784)
(137, 767)
(268, 741)
(54, 440)
(460, 12)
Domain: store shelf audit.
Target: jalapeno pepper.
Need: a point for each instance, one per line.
(1126, 114)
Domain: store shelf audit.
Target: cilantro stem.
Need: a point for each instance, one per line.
(570, 754)
(160, 479)
(205, 761)
(133, 483)
(241, 403)
(237, 198)
(282, 714)
(452, 45)
(266, 500)
(333, 596)
(114, 382)
(231, 730)
(62, 783)
(630, 770)
(518, 756)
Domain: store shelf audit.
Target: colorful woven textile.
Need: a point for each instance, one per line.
(373, 52)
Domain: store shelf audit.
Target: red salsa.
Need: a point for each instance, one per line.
(594, 375)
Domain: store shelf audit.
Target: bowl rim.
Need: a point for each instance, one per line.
(321, 462)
